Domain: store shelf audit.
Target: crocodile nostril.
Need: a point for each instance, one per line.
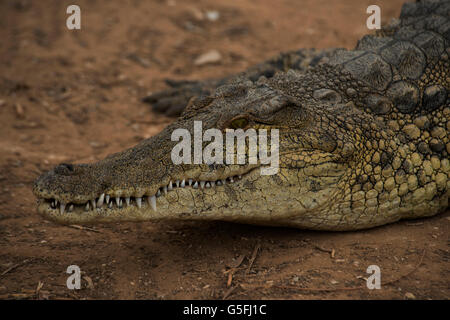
(67, 165)
(64, 168)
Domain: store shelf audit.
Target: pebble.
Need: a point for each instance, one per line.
(197, 14)
(19, 111)
(212, 15)
(410, 296)
(212, 56)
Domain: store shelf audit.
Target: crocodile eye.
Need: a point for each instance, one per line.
(239, 123)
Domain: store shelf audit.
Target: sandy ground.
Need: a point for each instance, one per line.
(74, 96)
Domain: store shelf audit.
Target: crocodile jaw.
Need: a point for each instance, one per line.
(248, 198)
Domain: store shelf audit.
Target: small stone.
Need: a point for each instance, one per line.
(197, 14)
(95, 144)
(212, 56)
(20, 111)
(212, 15)
(410, 296)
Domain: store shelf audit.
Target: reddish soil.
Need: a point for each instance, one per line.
(74, 96)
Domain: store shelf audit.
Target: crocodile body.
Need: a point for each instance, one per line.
(363, 140)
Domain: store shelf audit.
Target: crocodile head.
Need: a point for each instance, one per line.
(363, 140)
(316, 152)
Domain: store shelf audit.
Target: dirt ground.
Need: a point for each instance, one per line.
(74, 96)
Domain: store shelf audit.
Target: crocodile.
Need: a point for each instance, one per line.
(363, 141)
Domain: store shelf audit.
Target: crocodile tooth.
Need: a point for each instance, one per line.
(139, 202)
(118, 201)
(165, 189)
(224, 181)
(53, 204)
(158, 193)
(93, 204)
(240, 176)
(195, 186)
(231, 179)
(152, 201)
(107, 199)
(219, 182)
(170, 187)
(177, 183)
(87, 208)
(183, 183)
(213, 183)
(110, 205)
(202, 184)
(189, 182)
(56, 203)
(71, 208)
(100, 200)
(62, 207)
(207, 185)
(127, 200)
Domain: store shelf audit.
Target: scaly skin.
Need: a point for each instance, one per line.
(364, 141)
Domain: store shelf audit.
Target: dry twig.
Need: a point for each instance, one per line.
(75, 226)
(15, 266)
(252, 259)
